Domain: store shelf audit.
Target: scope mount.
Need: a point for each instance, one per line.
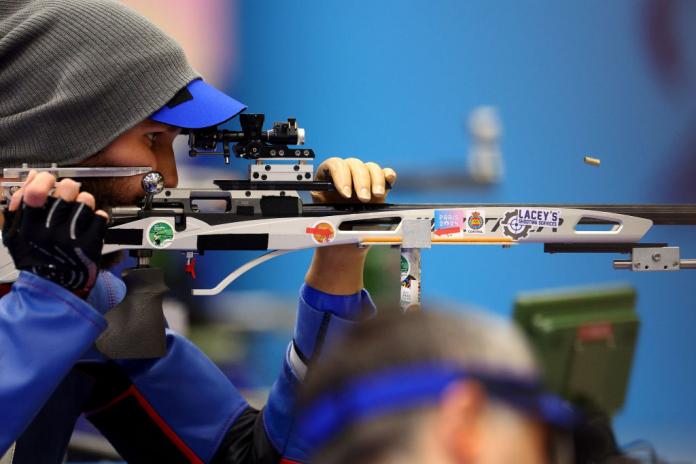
(277, 167)
(252, 142)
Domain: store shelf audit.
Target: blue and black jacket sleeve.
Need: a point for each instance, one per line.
(44, 329)
(272, 438)
(181, 408)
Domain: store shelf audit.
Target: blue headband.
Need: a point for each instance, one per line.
(403, 388)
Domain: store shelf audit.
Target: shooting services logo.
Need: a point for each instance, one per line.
(160, 234)
(475, 222)
(322, 232)
(517, 224)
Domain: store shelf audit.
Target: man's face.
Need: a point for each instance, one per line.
(148, 144)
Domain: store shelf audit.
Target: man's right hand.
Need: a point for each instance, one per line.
(57, 237)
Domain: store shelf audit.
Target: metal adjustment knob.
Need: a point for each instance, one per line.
(152, 183)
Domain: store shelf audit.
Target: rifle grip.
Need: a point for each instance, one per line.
(136, 325)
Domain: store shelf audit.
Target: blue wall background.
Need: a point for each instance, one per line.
(393, 81)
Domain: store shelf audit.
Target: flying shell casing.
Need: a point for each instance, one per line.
(592, 161)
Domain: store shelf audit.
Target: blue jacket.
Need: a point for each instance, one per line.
(178, 408)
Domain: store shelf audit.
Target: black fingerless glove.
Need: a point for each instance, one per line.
(60, 241)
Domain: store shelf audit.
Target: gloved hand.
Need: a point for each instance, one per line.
(57, 237)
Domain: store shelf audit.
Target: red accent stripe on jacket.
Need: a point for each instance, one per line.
(161, 424)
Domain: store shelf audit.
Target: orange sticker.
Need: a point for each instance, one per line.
(322, 232)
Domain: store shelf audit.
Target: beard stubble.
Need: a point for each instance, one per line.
(110, 192)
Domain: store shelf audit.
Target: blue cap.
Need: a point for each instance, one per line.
(198, 105)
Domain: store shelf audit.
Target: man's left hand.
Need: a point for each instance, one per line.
(338, 270)
(353, 179)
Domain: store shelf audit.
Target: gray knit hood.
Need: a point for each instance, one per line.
(75, 74)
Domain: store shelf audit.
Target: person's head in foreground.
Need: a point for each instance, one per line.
(430, 388)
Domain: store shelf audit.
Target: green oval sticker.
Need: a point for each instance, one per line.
(160, 234)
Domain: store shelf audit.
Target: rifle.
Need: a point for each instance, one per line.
(265, 212)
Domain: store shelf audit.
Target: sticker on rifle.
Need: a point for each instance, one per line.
(410, 280)
(404, 266)
(538, 217)
(512, 227)
(518, 223)
(322, 232)
(449, 223)
(160, 234)
(475, 221)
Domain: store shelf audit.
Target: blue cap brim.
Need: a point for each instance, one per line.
(198, 105)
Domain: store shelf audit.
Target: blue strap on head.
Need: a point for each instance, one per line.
(408, 387)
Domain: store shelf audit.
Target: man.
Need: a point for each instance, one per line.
(430, 389)
(91, 83)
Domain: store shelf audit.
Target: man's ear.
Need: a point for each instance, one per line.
(460, 420)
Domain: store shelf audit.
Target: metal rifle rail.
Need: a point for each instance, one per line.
(662, 215)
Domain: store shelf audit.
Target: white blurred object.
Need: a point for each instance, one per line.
(485, 161)
(9, 456)
(272, 311)
(176, 314)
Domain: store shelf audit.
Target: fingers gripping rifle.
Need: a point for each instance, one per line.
(265, 212)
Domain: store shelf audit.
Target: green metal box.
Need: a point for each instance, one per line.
(585, 341)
